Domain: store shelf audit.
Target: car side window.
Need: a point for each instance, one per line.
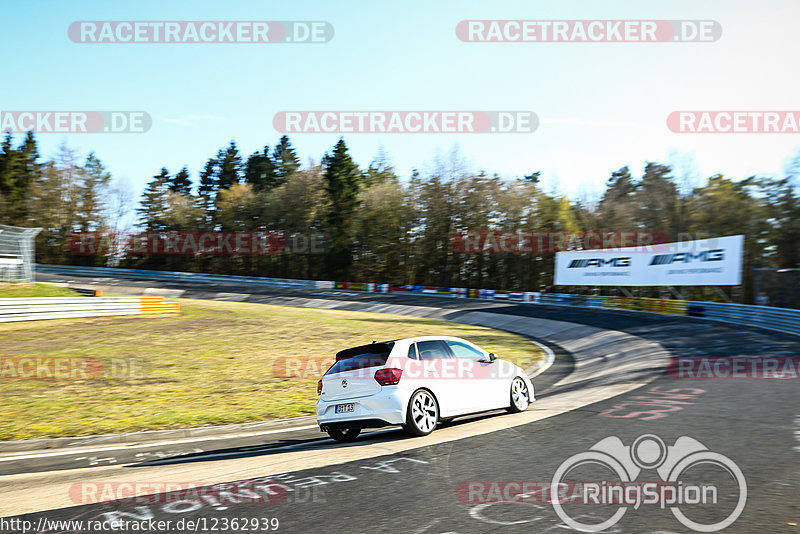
(432, 350)
(412, 351)
(462, 350)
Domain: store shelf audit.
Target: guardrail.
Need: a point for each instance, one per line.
(181, 276)
(781, 319)
(37, 308)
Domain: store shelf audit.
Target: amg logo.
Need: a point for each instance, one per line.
(686, 257)
(599, 262)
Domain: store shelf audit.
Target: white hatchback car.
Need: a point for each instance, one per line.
(415, 382)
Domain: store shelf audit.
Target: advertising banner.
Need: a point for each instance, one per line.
(704, 262)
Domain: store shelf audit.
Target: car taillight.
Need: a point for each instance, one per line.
(319, 387)
(388, 377)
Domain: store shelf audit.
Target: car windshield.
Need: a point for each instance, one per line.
(372, 355)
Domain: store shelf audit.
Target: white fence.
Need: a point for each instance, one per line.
(33, 309)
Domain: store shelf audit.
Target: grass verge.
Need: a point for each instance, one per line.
(214, 363)
(17, 291)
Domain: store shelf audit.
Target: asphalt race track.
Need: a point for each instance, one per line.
(470, 485)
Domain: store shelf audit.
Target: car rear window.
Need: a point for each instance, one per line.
(372, 355)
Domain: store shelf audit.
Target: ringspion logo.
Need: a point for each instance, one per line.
(199, 32)
(695, 505)
(405, 122)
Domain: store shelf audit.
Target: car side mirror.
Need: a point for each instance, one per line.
(492, 356)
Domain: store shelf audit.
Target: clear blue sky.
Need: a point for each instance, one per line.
(602, 105)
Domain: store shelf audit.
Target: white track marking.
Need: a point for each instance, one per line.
(551, 358)
(148, 445)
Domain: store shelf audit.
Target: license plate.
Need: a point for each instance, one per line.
(344, 408)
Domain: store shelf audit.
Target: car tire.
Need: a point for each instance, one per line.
(519, 396)
(344, 434)
(422, 413)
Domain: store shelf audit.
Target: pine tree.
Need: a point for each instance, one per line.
(207, 189)
(533, 177)
(18, 170)
(380, 170)
(616, 210)
(286, 161)
(208, 179)
(7, 156)
(260, 171)
(342, 184)
(619, 185)
(657, 199)
(180, 183)
(27, 164)
(23, 172)
(230, 163)
(153, 206)
(95, 179)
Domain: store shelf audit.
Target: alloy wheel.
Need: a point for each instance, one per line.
(424, 411)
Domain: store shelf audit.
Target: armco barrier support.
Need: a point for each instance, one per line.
(782, 319)
(88, 292)
(38, 308)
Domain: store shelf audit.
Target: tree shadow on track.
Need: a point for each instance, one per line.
(383, 435)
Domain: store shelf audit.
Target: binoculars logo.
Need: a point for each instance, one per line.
(648, 452)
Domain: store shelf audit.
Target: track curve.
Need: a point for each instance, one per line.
(753, 422)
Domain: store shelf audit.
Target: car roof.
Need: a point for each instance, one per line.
(406, 340)
(430, 338)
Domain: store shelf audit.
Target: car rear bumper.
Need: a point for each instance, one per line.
(357, 423)
(384, 408)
